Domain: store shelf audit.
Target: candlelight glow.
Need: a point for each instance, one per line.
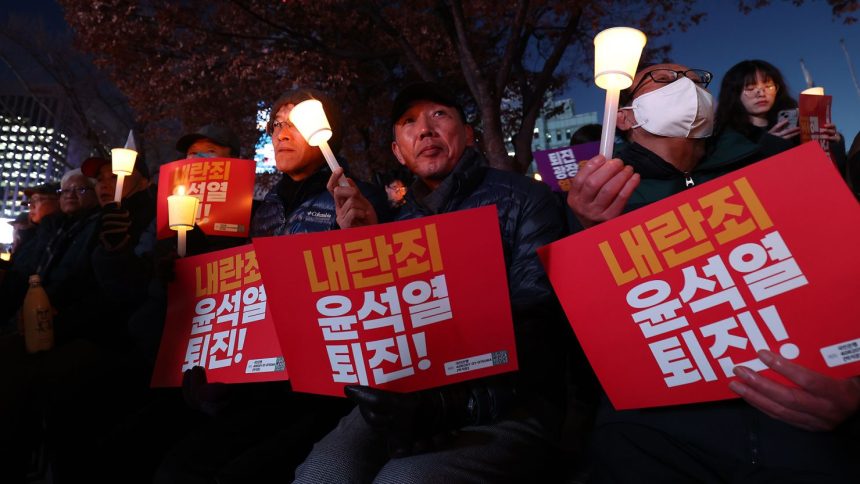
(122, 161)
(182, 210)
(309, 118)
(616, 56)
(813, 91)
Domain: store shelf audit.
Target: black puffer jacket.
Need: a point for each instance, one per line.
(529, 217)
(306, 206)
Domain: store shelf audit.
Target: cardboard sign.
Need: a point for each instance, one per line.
(667, 299)
(813, 114)
(559, 165)
(218, 318)
(402, 306)
(225, 187)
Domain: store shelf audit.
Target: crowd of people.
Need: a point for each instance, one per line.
(83, 410)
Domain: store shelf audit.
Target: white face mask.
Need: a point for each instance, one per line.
(680, 109)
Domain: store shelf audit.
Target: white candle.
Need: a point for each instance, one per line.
(182, 211)
(122, 164)
(616, 55)
(309, 118)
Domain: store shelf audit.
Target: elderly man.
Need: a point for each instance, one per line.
(497, 429)
(776, 432)
(43, 202)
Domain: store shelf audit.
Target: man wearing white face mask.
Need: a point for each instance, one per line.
(806, 432)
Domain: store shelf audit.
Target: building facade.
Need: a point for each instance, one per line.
(555, 131)
(32, 148)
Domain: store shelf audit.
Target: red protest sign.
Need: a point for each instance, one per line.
(225, 187)
(667, 299)
(218, 318)
(402, 306)
(813, 114)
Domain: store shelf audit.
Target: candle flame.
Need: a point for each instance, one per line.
(180, 190)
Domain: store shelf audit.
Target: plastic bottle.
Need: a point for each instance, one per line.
(38, 318)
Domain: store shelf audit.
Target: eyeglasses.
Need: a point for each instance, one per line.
(667, 76)
(81, 191)
(752, 89)
(279, 125)
(396, 189)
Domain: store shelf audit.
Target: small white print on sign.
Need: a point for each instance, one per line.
(476, 362)
(222, 227)
(841, 353)
(265, 365)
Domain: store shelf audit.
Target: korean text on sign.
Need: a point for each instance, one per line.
(390, 314)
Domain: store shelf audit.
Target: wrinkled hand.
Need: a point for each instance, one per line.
(820, 402)
(782, 130)
(116, 222)
(829, 132)
(209, 398)
(600, 190)
(412, 422)
(352, 209)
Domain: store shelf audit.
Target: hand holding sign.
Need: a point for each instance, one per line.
(818, 403)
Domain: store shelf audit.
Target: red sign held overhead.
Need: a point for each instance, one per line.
(402, 306)
(668, 299)
(225, 187)
(218, 318)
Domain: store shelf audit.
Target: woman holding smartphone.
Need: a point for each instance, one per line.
(757, 113)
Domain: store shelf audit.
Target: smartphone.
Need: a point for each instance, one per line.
(790, 115)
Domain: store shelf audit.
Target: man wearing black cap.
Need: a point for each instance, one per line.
(496, 429)
(210, 141)
(43, 201)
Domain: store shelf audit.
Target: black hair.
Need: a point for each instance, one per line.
(730, 110)
(331, 111)
(586, 134)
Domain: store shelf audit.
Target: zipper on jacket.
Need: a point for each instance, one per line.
(688, 180)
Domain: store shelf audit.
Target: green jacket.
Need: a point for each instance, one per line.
(660, 179)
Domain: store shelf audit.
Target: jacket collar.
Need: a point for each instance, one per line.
(467, 175)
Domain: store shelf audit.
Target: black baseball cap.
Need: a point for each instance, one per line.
(217, 134)
(424, 91)
(91, 166)
(44, 189)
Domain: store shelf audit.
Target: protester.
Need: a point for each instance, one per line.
(22, 231)
(752, 94)
(775, 432)
(266, 430)
(299, 202)
(586, 134)
(43, 201)
(396, 192)
(210, 141)
(498, 429)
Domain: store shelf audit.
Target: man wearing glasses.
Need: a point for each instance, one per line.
(774, 432)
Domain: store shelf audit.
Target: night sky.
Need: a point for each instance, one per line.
(781, 34)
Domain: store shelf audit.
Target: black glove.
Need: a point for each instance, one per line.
(419, 421)
(209, 398)
(114, 232)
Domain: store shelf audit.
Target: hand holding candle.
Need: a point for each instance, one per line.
(309, 118)
(616, 55)
(122, 164)
(182, 212)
